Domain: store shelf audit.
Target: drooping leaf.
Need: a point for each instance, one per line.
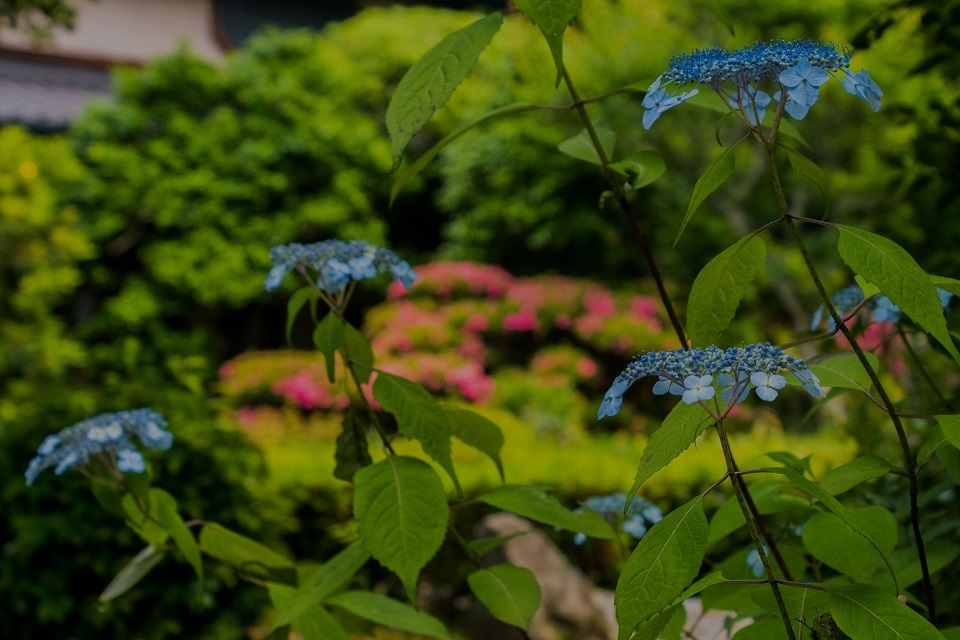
(641, 168)
(132, 573)
(664, 563)
(299, 298)
(388, 612)
(552, 17)
(714, 7)
(322, 583)
(680, 429)
(328, 339)
(712, 179)
(353, 450)
(581, 146)
(535, 503)
(357, 350)
(950, 426)
(889, 266)
(844, 371)
(245, 554)
(483, 546)
(832, 542)
(418, 416)
(402, 514)
(315, 623)
(473, 429)
(867, 613)
(510, 593)
(849, 475)
(720, 286)
(432, 79)
(170, 520)
(808, 169)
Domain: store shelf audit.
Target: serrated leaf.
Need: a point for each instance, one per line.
(844, 371)
(712, 178)
(867, 613)
(170, 520)
(322, 583)
(418, 416)
(832, 542)
(641, 168)
(720, 286)
(420, 163)
(245, 554)
(808, 169)
(432, 79)
(356, 349)
(857, 471)
(869, 290)
(714, 7)
(132, 573)
(535, 503)
(510, 593)
(388, 612)
(769, 496)
(474, 430)
(950, 427)
(299, 298)
(483, 546)
(664, 563)
(832, 504)
(581, 146)
(889, 266)
(680, 429)
(328, 338)
(402, 515)
(315, 623)
(353, 450)
(552, 17)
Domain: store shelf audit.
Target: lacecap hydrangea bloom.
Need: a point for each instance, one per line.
(881, 308)
(694, 374)
(641, 515)
(335, 263)
(110, 433)
(795, 69)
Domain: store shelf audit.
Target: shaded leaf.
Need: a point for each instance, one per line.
(353, 450)
(808, 169)
(432, 79)
(803, 605)
(769, 496)
(483, 546)
(849, 475)
(356, 349)
(315, 623)
(712, 178)
(328, 338)
(299, 298)
(169, 518)
(581, 146)
(832, 542)
(474, 430)
(845, 371)
(714, 7)
(402, 515)
(950, 427)
(535, 503)
(132, 573)
(906, 565)
(245, 554)
(386, 611)
(511, 593)
(641, 168)
(720, 286)
(552, 17)
(866, 613)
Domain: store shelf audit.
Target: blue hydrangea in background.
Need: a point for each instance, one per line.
(335, 263)
(641, 515)
(794, 68)
(108, 433)
(692, 373)
(881, 308)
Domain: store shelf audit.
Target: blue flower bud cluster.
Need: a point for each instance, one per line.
(797, 68)
(690, 373)
(105, 433)
(335, 263)
(641, 515)
(881, 308)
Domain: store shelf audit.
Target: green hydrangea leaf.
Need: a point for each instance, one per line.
(509, 592)
(867, 613)
(552, 17)
(388, 612)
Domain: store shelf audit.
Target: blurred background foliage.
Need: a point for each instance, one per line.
(133, 251)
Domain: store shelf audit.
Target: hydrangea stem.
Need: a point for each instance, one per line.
(909, 461)
(621, 197)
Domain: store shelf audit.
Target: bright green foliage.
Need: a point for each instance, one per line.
(170, 520)
(535, 503)
(432, 79)
(581, 146)
(713, 177)
(401, 511)
(664, 563)
(511, 593)
(679, 430)
(478, 432)
(717, 291)
(832, 542)
(383, 610)
(887, 265)
(866, 613)
(328, 337)
(552, 17)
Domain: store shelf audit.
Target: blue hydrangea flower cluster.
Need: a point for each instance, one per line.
(796, 68)
(105, 433)
(881, 308)
(336, 263)
(641, 515)
(690, 373)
